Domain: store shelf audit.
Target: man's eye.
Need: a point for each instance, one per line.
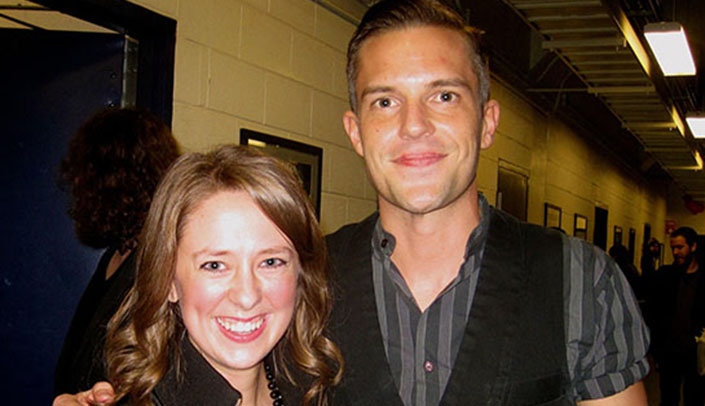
(384, 102)
(447, 96)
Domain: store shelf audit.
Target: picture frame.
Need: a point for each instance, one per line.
(580, 226)
(617, 237)
(512, 191)
(307, 159)
(552, 215)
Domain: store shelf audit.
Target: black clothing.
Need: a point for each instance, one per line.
(200, 384)
(678, 317)
(80, 363)
(674, 372)
(514, 347)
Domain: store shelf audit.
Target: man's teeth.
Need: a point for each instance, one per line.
(240, 327)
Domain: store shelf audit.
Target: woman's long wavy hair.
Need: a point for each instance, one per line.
(144, 336)
(111, 169)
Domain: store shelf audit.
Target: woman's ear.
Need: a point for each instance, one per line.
(173, 293)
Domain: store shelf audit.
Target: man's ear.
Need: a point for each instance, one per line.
(352, 127)
(490, 121)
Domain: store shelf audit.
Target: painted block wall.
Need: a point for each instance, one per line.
(566, 171)
(274, 66)
(277, 66)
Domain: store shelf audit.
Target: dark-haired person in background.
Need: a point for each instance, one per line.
(650, 262)
(621, 256)
(110, 171)
(678, 314)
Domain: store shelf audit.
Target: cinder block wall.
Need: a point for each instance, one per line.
(274, 66)
(277, 66)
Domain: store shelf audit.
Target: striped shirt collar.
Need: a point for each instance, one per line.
(383, 242)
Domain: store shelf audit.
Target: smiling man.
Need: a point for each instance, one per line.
(443, 299)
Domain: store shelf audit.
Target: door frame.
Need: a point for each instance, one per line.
(156, 35)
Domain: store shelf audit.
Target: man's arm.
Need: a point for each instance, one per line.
(607, 340)
(101, 394)
(634, 395)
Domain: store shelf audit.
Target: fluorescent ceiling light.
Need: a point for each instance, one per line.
(670, 47)
(696, 122)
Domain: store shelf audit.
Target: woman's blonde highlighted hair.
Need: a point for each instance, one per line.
(143, 339)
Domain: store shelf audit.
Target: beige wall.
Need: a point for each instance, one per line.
(564, 170)
(681, 216)
(277, 66)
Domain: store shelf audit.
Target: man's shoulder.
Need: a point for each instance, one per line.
(667, 274)
(666, 267)
(508, 223)
(342, 237)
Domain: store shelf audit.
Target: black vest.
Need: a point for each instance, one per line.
(513, 352)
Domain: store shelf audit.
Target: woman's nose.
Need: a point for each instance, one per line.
(245, 289)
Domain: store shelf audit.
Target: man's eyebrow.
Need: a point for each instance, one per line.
(435, 84)
(451, 83)
(374, 89)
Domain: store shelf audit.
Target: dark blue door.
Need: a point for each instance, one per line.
(51, 83)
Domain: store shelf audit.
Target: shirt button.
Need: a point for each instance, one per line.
(428, 366)
(384, 243)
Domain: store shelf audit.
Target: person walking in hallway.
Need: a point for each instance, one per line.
(679, 316)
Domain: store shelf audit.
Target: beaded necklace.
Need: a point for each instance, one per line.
(274, 392)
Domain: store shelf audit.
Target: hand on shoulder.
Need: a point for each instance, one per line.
(101, 394)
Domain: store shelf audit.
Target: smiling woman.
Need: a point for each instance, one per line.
(236, 295)
(230, 290)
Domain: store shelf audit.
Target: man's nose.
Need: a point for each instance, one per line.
(416, 121)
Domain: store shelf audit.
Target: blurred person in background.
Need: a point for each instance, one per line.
(678, 314)
(621, 256)
(110, 171)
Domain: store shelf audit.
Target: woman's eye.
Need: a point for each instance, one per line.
(273, 262)
(213, 266)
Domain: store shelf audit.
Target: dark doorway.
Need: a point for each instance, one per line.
(599, 236)
(632, 243)
(647, 232)
(65, 77)
(52, 82)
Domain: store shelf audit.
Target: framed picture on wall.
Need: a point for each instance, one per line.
(512, 191)
(617, 238)
(580, 226)
(551, 215)
(307, 159)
